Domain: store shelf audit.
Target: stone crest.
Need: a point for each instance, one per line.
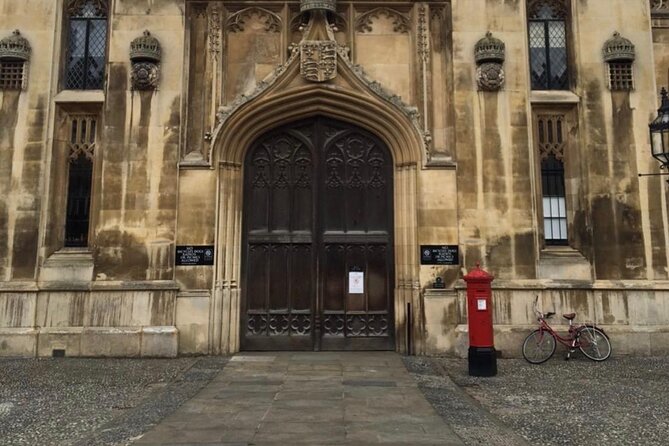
(490, 76)
(145, 55)
(489, 54)
(318, 60)
(144, 76)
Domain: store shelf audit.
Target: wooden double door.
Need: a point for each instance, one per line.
(317, 247)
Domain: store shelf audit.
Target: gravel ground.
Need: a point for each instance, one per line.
(93, 401)
(622, 401)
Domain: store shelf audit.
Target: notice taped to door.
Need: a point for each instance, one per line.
(356, 282)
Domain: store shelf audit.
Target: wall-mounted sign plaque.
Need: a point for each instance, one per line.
(195, 255)
(439, 255)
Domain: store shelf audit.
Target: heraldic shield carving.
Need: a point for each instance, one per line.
(318, 60)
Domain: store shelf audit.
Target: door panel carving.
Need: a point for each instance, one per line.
(317, 205)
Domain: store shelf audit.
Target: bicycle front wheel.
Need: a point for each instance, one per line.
(594, 343)
(538, 347)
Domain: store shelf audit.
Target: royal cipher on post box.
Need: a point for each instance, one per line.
(482, 356)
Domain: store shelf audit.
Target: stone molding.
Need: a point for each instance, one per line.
(364, 22)
(236, 21)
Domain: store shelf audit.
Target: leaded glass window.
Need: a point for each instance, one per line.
(548, 44)
(87, 45)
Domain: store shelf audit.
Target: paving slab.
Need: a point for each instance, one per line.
(329, 398)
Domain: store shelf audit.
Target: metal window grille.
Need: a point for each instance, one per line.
(621, 76)
(12, 74)
(552, 142)
(548, 47)
(87, 45)
(80, 176)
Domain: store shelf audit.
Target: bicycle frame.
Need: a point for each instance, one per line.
(569, 342)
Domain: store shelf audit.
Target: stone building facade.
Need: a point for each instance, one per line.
(200, 177)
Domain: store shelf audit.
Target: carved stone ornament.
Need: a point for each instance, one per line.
(15, 47)
(618, 49)
(490, 76)
(318, 60)
(144, 76)
(236, 21)
(489, 49)
(145, 55)
(312, 5)
(401, 23)
(659, 6)
(145, 48)
(547, 9)
(489, 54)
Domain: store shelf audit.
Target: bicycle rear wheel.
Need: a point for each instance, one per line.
(593, 342)
(538, 347)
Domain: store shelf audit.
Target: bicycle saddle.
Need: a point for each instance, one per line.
(569, 316)
(549, 315)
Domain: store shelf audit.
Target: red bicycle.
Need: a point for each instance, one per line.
(539, 345)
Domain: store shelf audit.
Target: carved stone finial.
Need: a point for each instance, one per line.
(311, 5)
(618, 49)
(145, 48)
(15, 47)
(489, 49)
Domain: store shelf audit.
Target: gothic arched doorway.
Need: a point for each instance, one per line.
(317, 247)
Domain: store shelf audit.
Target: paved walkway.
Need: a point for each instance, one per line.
(307, 398)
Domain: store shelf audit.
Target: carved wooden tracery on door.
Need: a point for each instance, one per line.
(317, 206)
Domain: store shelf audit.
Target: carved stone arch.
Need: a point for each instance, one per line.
(237, 20)
(401, 22)
(289, 99)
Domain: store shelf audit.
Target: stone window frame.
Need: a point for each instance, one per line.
(570, 160)
(59, 177)
(68, 7)
(84, 131)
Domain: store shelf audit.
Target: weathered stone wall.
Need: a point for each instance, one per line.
(159, 181)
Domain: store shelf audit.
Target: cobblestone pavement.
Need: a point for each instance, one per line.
(622, 401)
(93, 401)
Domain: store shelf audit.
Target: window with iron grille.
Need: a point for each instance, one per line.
(80, 177)
(12, 74)
(552, 142)
(621, 76)
(547, 29)
(87, 44)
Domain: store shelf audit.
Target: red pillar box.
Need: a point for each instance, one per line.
(482, 355)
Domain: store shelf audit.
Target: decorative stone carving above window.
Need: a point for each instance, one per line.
(237, 20)
(15, 53)
(145, 55)
(314, 5)
(489, 54)
(659, 6)
(618, 49)
(547, 9)
(619, 53)
(364, 22)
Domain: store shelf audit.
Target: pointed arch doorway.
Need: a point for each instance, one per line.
(317, 240)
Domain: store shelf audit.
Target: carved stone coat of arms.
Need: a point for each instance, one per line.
(318, 60)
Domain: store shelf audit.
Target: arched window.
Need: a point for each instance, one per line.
(87, 44)
(547, 29)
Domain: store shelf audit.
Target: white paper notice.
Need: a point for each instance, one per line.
(356, 282)
(481, 304)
